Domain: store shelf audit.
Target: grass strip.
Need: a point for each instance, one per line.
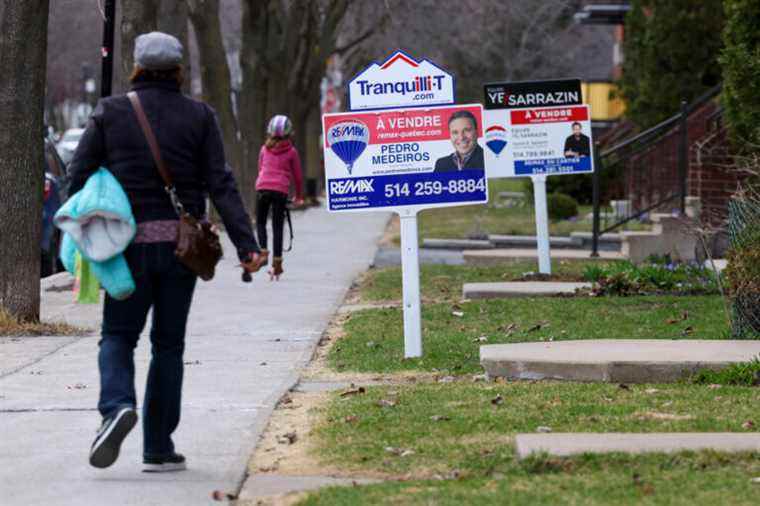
(453, 333)
(454, 441)
(681, 480)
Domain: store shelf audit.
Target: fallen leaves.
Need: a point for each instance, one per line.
(458, 314)
(481, 339)
(498, 400)
(218, 495)
(538, 326)
(386, 403)
(748, 425)
(353, 391)
(287, 438)
(543, 429)
(684, 316)
(440, 418)
(399, 452)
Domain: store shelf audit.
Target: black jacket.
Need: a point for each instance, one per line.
(191, 146)
(447, 163)
(581, 145)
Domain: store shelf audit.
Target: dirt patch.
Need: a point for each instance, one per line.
(653, 415)
(286, 446)
(392, 233)
(318, 369)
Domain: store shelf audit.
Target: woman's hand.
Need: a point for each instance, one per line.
(253, 264)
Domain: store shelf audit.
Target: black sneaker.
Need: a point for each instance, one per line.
(105, 448)
(173, 462)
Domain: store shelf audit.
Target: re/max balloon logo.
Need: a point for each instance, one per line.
(420, 83)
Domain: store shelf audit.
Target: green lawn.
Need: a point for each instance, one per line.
(479, 220)
(444, 282)
(455, 430)
(373, 339)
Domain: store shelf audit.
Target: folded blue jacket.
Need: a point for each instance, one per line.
(97, 222)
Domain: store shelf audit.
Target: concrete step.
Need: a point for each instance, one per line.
(566, 444)
(499, 256)
(613, 360)
(520, 289)
(529, 241)
(587, 237)
(456, 244)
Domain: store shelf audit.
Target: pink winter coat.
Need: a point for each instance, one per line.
(278, 166)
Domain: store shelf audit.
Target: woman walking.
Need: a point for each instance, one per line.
(191, 145)
(279, 166)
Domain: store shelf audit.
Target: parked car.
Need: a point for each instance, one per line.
(68, 143)
(54, 195)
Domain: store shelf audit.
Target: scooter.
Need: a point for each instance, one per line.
(246, 277)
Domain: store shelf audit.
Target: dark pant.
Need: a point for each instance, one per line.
(277, 202)
(167, 286)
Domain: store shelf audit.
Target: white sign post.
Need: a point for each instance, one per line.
(536, 130)
(401, 149)
(542, 224)
(410, 284)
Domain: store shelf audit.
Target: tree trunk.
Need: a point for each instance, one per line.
(215, 76)
(254, 95)
(173, 19)
(137, 17)
(23, 54)
(314, 149)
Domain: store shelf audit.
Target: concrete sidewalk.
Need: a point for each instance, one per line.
(245, 347)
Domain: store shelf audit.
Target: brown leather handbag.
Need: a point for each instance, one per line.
(198, 246)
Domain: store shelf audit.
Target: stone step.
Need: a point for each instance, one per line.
(499, 256)
(456, 244)
(613, 238)
(520, 289)
(613, 360)
(529, 241)
(567, 444)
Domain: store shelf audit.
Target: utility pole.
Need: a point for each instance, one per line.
(109, 26)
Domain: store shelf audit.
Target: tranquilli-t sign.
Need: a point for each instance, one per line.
(405, 158)
(400, 81)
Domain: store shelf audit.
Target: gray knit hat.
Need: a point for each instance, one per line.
(157, 51)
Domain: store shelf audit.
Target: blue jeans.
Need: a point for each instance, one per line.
(167, 286)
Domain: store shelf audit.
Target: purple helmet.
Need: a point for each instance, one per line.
(279, 126)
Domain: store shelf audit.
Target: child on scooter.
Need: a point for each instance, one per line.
(279, 166)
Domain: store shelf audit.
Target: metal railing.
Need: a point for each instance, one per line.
(646, 173)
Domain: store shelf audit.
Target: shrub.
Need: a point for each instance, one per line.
(578, 186)
(561, 206)
(741, 70)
